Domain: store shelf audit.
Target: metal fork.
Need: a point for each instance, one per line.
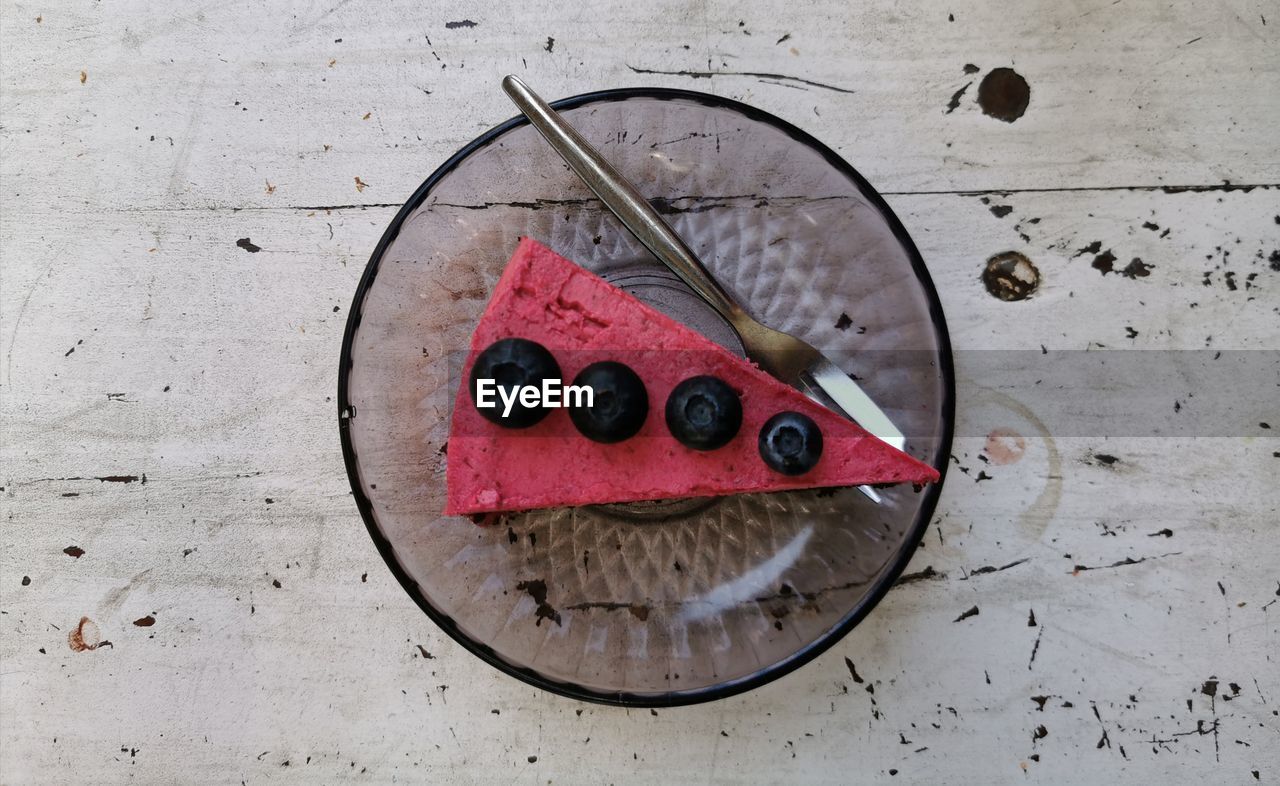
(784, 356)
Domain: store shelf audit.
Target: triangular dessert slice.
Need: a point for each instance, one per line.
(581, 319)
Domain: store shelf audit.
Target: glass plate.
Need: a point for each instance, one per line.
(662, 603)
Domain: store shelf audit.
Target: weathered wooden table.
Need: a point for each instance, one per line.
(190, 192)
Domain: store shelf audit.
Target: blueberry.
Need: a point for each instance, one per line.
(619, 402)
(791, 443)
(704, 413)
(513, 363)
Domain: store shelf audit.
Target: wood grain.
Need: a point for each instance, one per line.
(166, 392)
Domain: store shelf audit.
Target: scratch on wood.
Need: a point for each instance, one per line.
(1122, 563)
(954, 103)
(992, 569)
(928, 574)
(756, 74)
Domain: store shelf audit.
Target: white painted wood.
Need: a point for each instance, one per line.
(139, 340)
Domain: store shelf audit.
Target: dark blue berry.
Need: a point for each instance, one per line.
(791, 443)
(619, 402)
(513, 363)
(704, 413)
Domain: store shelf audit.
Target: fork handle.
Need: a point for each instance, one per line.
(617, 193)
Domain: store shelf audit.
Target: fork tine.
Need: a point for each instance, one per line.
(850, 397)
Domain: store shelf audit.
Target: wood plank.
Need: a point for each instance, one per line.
(226, 105)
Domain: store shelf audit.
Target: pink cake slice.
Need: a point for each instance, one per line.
(581, 319)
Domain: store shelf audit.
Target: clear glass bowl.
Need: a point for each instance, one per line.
(663, 603)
